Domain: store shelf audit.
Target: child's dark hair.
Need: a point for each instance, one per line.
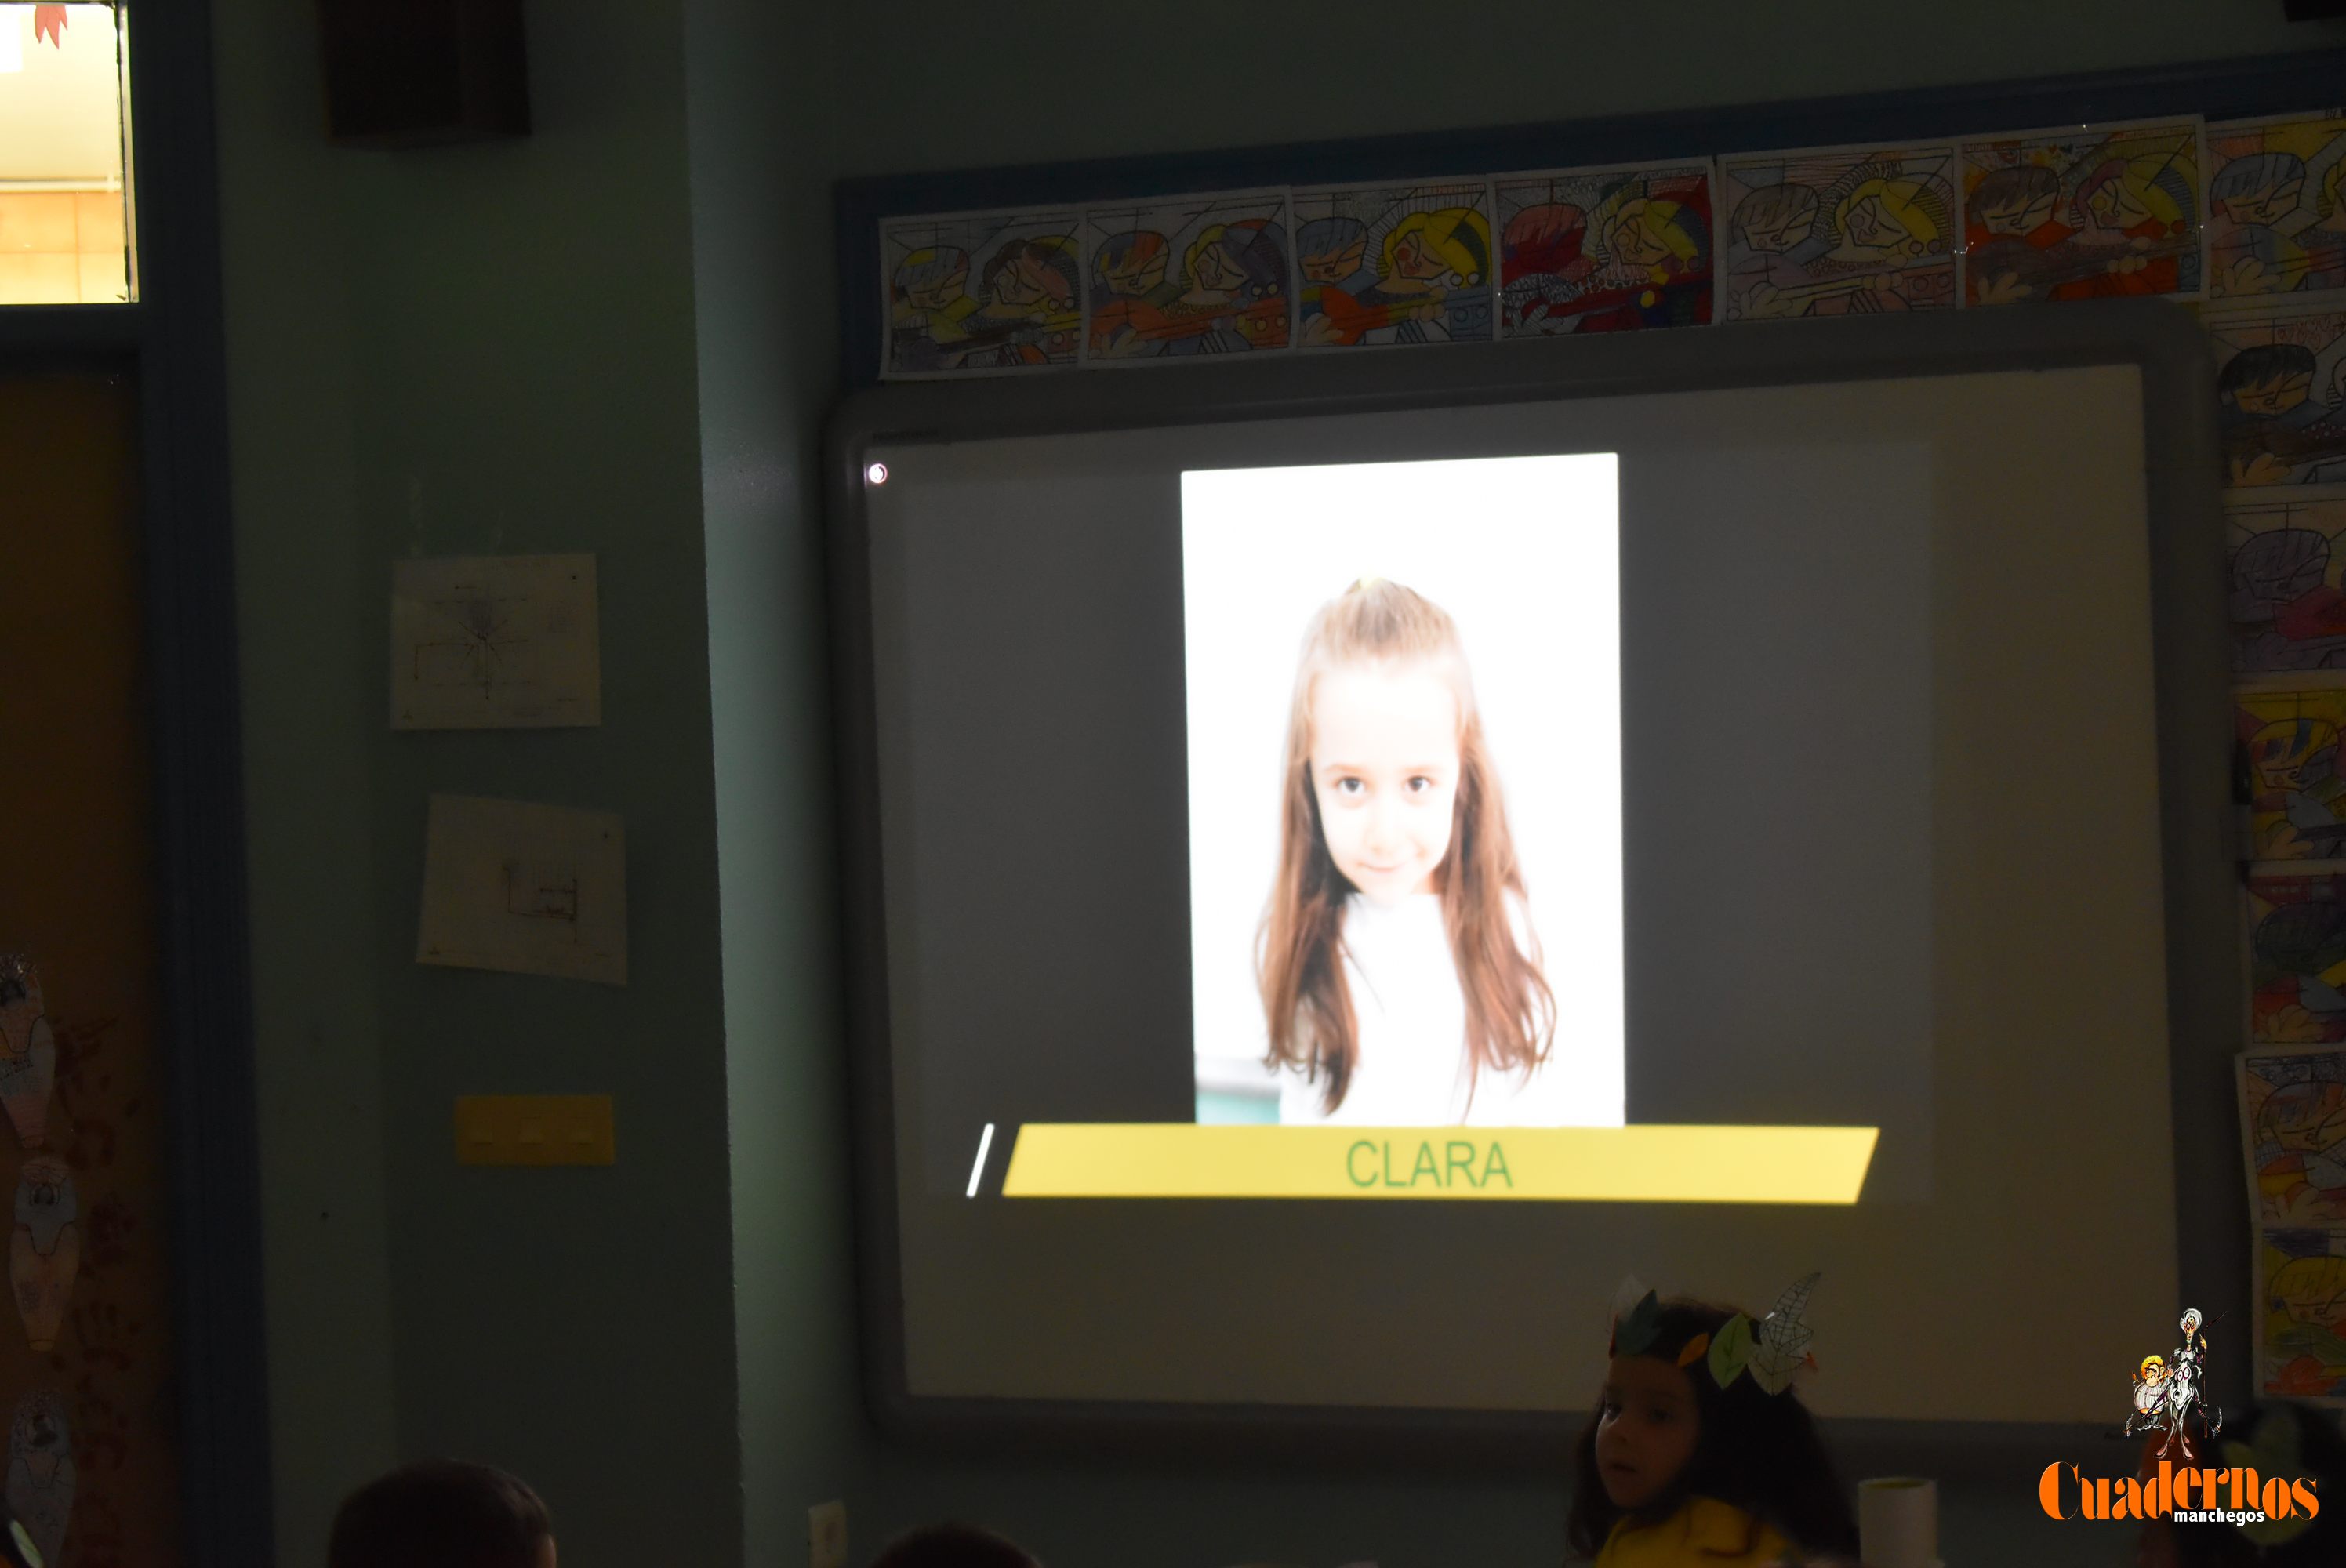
(952, 1546)
(1757, 1450)
(441, 1513)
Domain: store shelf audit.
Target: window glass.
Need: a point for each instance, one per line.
(66, 208)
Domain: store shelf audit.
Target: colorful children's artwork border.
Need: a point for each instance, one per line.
(2055, 216)
(2277, 205)
(2301, 1314)
(1605, 249)
(2092, 212)
(1393, 265)
(982, 292)
(2288, 591)
(1833, 231)
(1210, 275)
(2280, 390)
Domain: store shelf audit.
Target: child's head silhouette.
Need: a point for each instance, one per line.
(1664, 1433)
(1389, 793)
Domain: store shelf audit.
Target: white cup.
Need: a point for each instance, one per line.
(1898, 1522)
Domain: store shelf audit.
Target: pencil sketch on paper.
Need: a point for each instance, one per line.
(495, 643)
(524, 888)
(543, 890)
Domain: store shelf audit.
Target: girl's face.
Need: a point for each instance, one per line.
(1646, 1430)
(1384, 768)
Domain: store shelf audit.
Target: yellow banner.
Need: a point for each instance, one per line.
(1586, 1165)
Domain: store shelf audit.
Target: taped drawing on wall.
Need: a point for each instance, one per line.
(2293, 1126)
(1210, 275)
(2287, 598)
(2288, 743)
(1393, 265)
(495, 642)
(528, 889)
(1605, 249)
(981, 292)
(2301, 1314)
(2277, 205)
(2297, 954)
(2099, 212)
(1838, 231)
(2280, 391)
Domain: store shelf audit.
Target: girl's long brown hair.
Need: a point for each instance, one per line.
(1510, 1013)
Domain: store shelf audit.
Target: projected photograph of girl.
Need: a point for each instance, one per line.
(1367, 923)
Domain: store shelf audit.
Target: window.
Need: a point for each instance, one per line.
(66, 206)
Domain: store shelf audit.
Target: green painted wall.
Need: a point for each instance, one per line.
(475, 350)
(615, 336)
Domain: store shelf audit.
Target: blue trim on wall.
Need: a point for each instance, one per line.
(174, 342)
(2224, 89)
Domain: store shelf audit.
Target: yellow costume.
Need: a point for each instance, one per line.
(1703, 1534)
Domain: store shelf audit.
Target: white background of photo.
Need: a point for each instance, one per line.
(1523, 555)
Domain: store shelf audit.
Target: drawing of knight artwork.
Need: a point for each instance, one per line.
(1605, 249)
(2169, 1398)
(991, 291)
(1393, 265)
(1839, 232)
(1205, 276)
(2089, 214)
(2280, 391)
(2277, 205)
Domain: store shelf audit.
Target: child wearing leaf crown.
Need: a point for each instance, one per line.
(1691, 1459)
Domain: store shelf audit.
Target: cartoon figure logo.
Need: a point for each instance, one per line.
(2168, 1397)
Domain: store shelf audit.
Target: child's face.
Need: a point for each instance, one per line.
(1384, 768)
(1646, 1433)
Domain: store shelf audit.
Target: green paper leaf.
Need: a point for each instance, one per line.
(1730, 1348)
(1781, 1342)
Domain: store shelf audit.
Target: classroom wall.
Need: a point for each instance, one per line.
(615, 336)
(479, 349)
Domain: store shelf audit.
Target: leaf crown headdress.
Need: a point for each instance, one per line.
(1770, 1350)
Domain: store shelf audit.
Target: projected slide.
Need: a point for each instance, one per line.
(1404, 793)
(1524, 825)
(1334, 893)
